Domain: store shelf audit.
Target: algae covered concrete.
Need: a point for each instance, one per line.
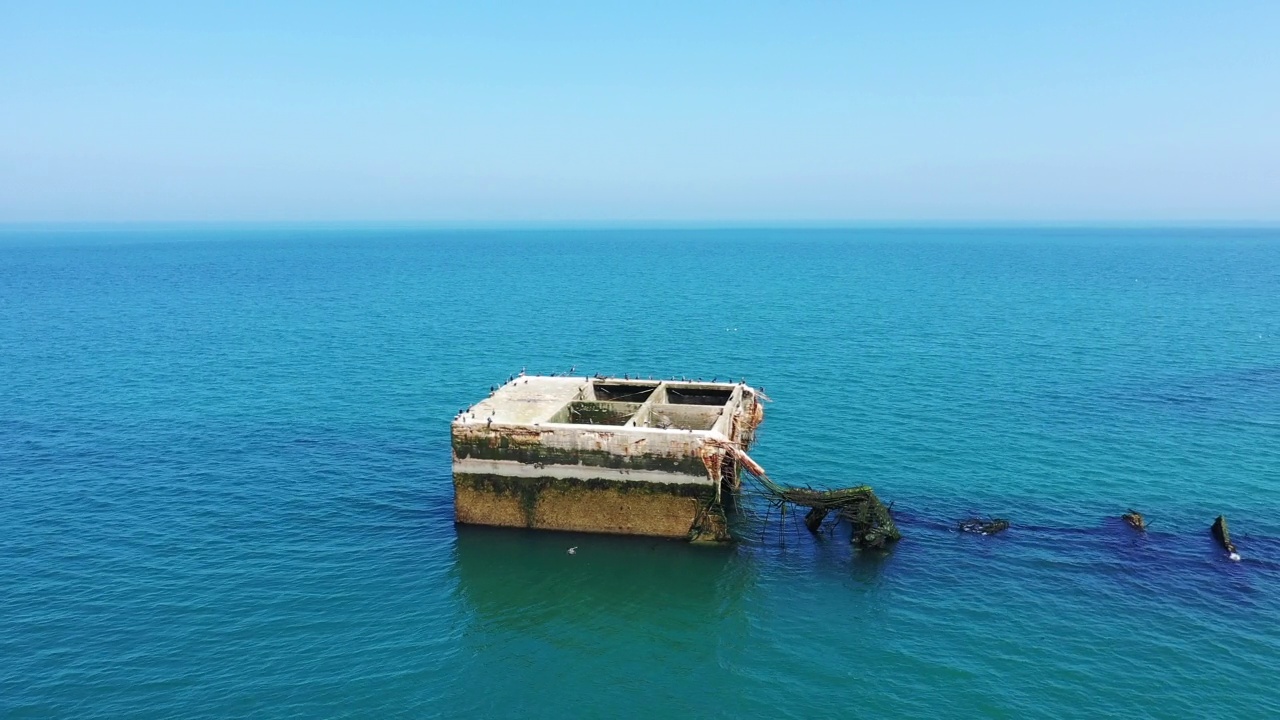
(602, 455)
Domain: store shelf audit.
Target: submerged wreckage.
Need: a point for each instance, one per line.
(634, 457)
(663, 458)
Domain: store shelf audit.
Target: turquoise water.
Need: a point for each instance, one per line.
(225, 470)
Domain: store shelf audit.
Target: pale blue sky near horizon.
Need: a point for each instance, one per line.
(593, 112)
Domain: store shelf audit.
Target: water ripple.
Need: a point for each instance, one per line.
(225, 466)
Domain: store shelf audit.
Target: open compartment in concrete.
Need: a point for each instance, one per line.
(594, 412)
(685, 395)
(680, 417)
(623, 391)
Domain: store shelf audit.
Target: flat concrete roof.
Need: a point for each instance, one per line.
(526, 400)
(538, 399)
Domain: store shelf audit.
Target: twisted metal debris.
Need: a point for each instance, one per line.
(871, 519)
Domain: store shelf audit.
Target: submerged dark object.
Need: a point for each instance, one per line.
(1222, 534)
(1135, 520)
(983, 527)
(813, 519)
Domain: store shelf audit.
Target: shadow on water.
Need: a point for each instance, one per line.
(869, 567)
(597, 623)
(520, 578)
(1258, 386)
(1190, 544)
(1184, 566)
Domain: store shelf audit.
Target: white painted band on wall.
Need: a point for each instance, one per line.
(512, 468)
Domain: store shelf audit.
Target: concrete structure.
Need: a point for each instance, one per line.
(609, 455)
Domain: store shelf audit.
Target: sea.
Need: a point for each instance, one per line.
(225, 481)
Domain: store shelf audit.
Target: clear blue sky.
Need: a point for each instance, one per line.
(735, 112)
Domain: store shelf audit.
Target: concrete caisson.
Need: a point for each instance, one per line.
(603, 455)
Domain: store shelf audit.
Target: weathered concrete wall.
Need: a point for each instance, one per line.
(635, 449)
(566, 454)
(681, 511)
(584, 479)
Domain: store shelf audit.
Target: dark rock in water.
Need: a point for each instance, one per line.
(984, 527)
(1135, 520)
(1223, 535)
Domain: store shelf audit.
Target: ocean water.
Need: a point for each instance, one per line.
(225, 484)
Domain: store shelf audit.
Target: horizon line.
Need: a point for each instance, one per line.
(570, 225)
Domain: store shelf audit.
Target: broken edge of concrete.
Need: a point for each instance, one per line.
(604, 455)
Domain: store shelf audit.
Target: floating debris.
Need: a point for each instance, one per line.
(1223, 535)
(983, 527)
(1135, 520)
